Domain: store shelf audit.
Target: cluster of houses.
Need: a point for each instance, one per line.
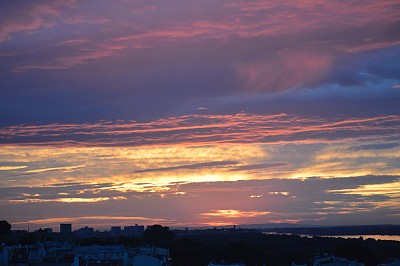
(87, 232)
(65, 254)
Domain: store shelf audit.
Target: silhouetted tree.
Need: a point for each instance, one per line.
(28, 239)
(41, 234)
(90, 241)
(158, 235)
(5, 228)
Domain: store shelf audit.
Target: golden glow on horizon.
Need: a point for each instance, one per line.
(217, 223)
(230, 213)
(93, 220)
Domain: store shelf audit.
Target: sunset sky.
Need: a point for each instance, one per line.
(199, 113)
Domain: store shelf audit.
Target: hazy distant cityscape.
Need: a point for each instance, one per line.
(156, 245)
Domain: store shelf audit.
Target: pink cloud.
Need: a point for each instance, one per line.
(32, 17)
(84, 56)
(72, 42)
(144, 9)
(243, 19)
(372, 45)
(337, 12)
(285, 70)
(84, 20)
(8, 29)
(206, 129)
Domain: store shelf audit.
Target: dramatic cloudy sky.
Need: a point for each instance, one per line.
(196, 113)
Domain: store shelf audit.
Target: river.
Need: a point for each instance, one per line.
(376, 237)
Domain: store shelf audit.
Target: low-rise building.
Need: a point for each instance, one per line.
(101, 256)
(4, 255)
(65, 254)
(391, 262)
(116, 231)
(84, 232)
(149, 256)
(226, 264)
(335, 261)
(26, 256)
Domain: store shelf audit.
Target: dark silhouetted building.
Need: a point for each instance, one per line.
(134, 231)
(65, 229)
(116, 231)
(84, 232)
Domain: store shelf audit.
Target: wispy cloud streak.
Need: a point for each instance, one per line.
(204, 129)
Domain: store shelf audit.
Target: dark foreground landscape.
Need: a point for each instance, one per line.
(390, 230)
(200, 247)
(255, 248)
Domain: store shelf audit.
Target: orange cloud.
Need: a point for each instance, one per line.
(10, 168)
(387, 189)
(66, 200)
(63, 168)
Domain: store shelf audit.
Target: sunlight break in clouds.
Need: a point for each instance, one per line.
(130, 165)
(9, 168)
(63, 169)
(66, 200)
(233, 213)
(92, 221)
(391, 190)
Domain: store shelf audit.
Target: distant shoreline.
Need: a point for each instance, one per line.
(376, 237)
(383, 232)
